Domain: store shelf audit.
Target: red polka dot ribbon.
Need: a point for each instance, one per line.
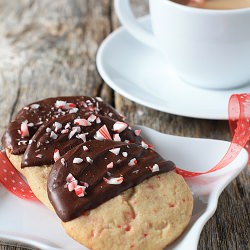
(239, 122)
(12, 181)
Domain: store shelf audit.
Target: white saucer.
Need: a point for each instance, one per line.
(140, 74)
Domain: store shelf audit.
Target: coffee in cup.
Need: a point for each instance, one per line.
(216, 4)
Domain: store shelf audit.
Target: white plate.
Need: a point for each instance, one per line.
(32, 223)
(140, 74)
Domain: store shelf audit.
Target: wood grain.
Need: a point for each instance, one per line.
(48, 48)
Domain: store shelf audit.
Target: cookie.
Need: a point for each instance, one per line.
(106, 184)
(96, 171)
(29, 119)
(149, 216)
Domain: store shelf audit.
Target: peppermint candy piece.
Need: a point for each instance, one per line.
(113, 181)
(53, 135)
(70, 178)
(25, 129)
(80, 191)
(56, 155)
(137, 132)
(155, 168)
(115, 151)
(63, 162)
(132, 162)
(98, 120)
(82, 122)
(144, 144)
(73, 110)
(35, 106)
(92, 118)
(102, 134)
(77, 160)
(72, 185)
(118, 127)
(60, 104)
(82, 137)
(85, 148)
(125, 154)
(116, 137)
(57, 126)
(110, 165)
(89, 160)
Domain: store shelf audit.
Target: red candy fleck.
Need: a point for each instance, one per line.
(56, 155)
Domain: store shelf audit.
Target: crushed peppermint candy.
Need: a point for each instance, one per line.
(155, 168)
(125, 154)
(110, 165)
(89, 160)
(115, 151)
(57, 126)
(56, 155)
(92, 118)
(98, 120)
(144, 144)
(35, 106)
(72, 133)
(137, 132)
(113, 181)
(135, 171)
(65, 131)
(102, 134)
(71, 182)
(132, 162)
(73, 110)
(72, 185)
(24, 129)
(118, 127)
(82, 137)
(82, 122)
(70, 178)
(85, 148)
(77, 160)
(48, 130)
(116, 137)
(60, 104)
(40, 156)
(63, 162)
(80, 191)
(53, 135)
(31, 124)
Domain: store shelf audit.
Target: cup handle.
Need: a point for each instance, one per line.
(128, 20)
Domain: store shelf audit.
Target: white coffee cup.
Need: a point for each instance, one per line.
(207, 48)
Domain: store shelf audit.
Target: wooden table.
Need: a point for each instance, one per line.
(48, 48)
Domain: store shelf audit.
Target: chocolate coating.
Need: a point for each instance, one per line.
(37, 113)
(41, 150)
(69, 206)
